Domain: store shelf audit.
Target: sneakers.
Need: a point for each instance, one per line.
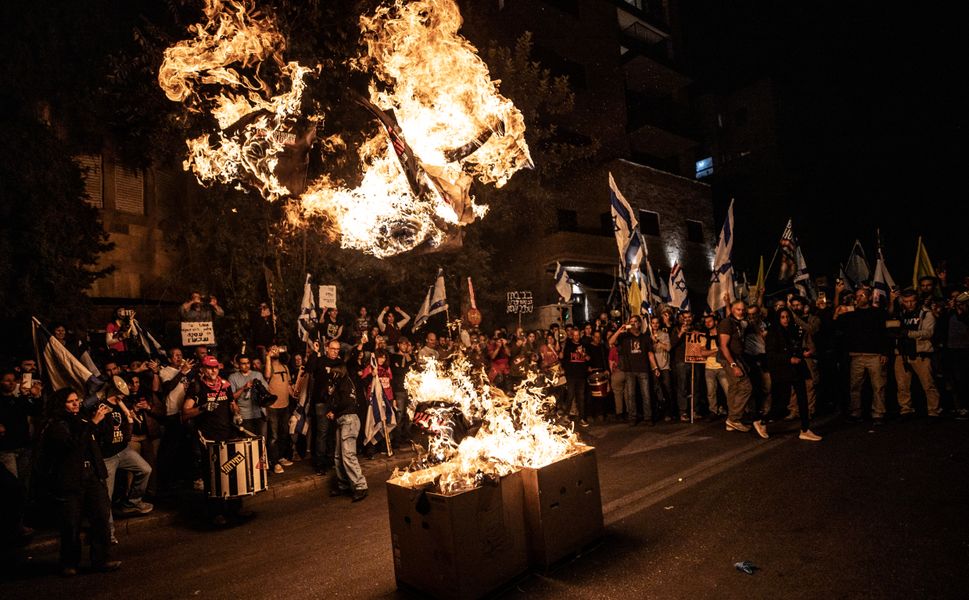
(583, 423)
(359, 495)
(338, 492)
(111, 565)
(792, 416)
(68, 572)
(761, 429)
(132, 507)
(809, 436)
(962, 414)
(736, 426)
(285, 462)
(278, 469)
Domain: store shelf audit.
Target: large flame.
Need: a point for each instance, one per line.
(442, 121)
(221, 72)
(515, 432)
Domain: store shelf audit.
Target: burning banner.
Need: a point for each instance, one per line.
(441, 122)
(478, 432)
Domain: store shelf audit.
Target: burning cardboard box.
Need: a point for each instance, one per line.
(563, 507)
(463, 545)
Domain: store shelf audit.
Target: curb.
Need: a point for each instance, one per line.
(287, 489)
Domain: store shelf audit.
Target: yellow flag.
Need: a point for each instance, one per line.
(635, 297)
(923, 266)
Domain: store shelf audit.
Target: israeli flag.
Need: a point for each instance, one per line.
(721, 280)
(883, 283)
(563, 283)
(624, 223)
(679, 294)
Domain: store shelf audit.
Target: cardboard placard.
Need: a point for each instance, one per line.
(198, 333)
(327, 296)
(696, 343)
(520, 302)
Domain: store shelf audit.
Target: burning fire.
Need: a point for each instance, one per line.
(221, 71)
(442, 121)
(514, 432)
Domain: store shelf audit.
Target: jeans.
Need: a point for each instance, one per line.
(348, 471)
(642, 379)
(255, 426)
(322, 458)
(712, 376)
(148, 450)
(128, 460)
(665, 385)
(575, 395)
(277, 434)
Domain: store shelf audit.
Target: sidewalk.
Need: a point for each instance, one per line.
(173, 508)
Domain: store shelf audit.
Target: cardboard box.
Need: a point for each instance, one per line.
(459, 546)
(563, 507)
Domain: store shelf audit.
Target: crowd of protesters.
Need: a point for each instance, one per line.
(133, 435)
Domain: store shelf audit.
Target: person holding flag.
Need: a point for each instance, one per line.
(306, 322)
(381, 412)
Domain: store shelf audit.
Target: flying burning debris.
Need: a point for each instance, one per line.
(442, 122)
(224, 71)
(509, 433)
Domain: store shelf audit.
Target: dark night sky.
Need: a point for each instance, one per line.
(872, 121)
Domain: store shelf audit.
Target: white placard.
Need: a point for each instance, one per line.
(520, 302)
(198, 333)
(327, 296)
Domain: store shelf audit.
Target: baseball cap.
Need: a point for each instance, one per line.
(210, 361)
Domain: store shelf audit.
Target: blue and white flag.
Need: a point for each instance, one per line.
(679, 295)
(634, 254)
(56, 362)
(148, 342)
(624, 220)
(882, 283)
(721, 280)
(435, 301)
(856, 268)
(299, 422)
(380, 412)
(563, 283)
(307, 321)
(659, 293)
(802, 279)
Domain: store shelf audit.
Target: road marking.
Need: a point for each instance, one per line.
(647, 441)
(641, 499)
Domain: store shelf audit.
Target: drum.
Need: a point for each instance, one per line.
(237, 467)
(599, 383)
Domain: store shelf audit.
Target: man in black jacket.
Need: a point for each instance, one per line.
(343, 410)
(320, 369)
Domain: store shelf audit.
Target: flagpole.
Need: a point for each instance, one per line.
(771, 266)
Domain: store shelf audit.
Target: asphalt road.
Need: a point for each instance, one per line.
(866, 513)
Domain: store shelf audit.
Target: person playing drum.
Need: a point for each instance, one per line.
(209, 402)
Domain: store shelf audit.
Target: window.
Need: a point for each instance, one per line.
(129, 191)
(606, 225)
(568, 220)
(694, 231)
(704, 167)
(91, 171)
(649, 222)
